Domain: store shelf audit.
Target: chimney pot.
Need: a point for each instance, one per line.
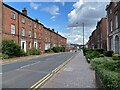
(24, 11)
(36, 20)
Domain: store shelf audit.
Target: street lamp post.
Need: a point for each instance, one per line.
(83, 35)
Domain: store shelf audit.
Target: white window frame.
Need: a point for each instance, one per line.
(34, 34)
(111, 24)
(35, 25)
(23, 20)
(12, 14)
(115, 3)
(12, 29)
(23, 32)
(30, 33)
(39, 27)
(35, 44)
(29, 23)
(116, 21)
(110, 11)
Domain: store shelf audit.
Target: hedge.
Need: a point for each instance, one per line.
(108, 71)
(116, 56)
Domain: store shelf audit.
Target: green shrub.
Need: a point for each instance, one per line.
(100, 50)
(116, 56)
(10, 48)
(92, 55)
(34, 51)
(87, 50)
(49, 50)
(108, 53)
(62, 49)
(96, 62)
(101, 55)
(4, 56)
(104, 63)
(56, 49)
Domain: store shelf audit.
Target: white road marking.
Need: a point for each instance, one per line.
(30, 64)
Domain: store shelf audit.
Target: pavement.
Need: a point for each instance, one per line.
(18, 59)
(29, 73)
(76, 74)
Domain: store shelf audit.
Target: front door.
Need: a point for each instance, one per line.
(23, 45)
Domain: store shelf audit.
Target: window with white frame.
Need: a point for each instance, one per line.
(23, 32)
(23, 20)
(115, 3)
(110, 11)
(12, 14)
(30, 33)
(40, 35)
(29, 23)
(110, 25)
(34, 25)
(39, 27)
(12, 29)
(34, 34)
(116, 21)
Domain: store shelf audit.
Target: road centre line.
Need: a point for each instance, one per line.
(30, 64)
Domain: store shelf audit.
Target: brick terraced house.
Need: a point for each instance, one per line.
(0, 25)
(27, 32)
(98, 39)
(113, 30)
(101, 31)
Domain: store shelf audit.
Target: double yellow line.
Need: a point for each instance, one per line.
(39, 83)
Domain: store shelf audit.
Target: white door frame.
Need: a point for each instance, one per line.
(23, 40)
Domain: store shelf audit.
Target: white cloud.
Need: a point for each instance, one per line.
(84, 12)
(34, 5)
(53, 18)
(53, 10)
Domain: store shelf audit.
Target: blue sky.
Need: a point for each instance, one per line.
(66, 17)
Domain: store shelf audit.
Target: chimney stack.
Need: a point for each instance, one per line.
(24, 11)
(36, 20)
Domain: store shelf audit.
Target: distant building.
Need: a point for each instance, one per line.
(113, 29)
(73, 47)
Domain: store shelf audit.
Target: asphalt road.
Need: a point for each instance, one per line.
(26, 73)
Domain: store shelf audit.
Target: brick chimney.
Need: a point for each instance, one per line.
(36, 20)
(24, 11)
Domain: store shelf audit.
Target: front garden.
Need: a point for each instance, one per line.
(108, 71)
(10, 49)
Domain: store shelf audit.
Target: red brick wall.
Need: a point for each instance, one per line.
(0, 23)
(104, 33)
(112, 17)
(7, 21)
